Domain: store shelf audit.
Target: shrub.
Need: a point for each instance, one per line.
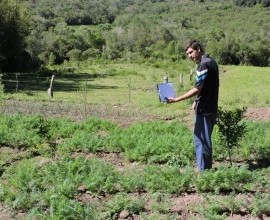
(231, 129)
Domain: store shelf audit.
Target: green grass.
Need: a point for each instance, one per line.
(245, 86)
(134, 85)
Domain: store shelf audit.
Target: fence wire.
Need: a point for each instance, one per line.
(81, 86)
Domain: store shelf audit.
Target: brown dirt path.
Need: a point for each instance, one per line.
(256, 114)
(5, 213)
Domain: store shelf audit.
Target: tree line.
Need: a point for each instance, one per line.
(34, 33)
(250, 3)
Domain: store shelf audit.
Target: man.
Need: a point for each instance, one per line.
(206, 104)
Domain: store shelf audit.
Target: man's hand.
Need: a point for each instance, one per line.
(194, 91)
(171, 100)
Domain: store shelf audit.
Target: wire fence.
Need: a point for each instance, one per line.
(17, 82)
(82, 87)
(31, 83)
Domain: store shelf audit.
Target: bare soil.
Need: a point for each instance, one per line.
(5, 213)
(256, 114)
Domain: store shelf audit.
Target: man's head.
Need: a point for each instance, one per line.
(194, 50)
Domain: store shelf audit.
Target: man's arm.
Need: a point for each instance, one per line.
(194, 91)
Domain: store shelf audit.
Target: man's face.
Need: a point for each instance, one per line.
(194, 55)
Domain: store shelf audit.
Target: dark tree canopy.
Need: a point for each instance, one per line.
(14, 23)
(250, 3)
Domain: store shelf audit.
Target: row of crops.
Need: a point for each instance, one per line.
(44, 179)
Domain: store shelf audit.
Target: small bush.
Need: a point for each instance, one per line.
(231, 128)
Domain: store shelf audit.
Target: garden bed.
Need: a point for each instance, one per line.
(158, 204)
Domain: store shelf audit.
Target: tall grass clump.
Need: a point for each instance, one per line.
(22, 187)
(222, 207)
(261, 205)
(167, 179)
(61, 128)
(120, 202)
(52, 188)
(257, 140)
(155, 142)
(23, 131)
(89, 135)
(225, 179)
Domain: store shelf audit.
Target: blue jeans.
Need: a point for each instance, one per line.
(202, 140)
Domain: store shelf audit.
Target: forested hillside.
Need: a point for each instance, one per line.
(49, 31)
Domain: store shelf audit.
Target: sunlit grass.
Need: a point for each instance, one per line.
(129, 84)
(245, 86)
(124, 83)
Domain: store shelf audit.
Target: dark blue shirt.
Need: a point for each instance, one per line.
(207, 78)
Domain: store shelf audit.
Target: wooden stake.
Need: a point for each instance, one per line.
(50, 90)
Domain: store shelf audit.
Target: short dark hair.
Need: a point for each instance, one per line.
(194, 44)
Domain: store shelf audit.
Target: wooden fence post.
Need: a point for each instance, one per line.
(181, 79)
(17, 82)
(165, 79)
(50, 90)
(191, 74)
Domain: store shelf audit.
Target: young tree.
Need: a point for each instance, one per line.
(231, 129)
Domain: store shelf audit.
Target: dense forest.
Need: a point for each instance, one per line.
(42, 32)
